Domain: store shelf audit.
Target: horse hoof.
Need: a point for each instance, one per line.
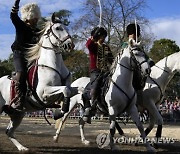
(55, 139)
(24, 149)
(86, 142)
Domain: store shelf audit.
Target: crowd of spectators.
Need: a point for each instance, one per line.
(170, 109)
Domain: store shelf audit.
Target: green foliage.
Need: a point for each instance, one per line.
(78, 63)
(6, 66)
(162, 48)
(64, 15)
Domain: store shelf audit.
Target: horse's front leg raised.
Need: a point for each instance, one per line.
(13, 124)
(133, 112)
(53, 92)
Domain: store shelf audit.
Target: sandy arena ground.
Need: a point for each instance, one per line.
(37, 135)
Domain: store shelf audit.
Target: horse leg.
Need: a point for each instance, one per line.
(81, 126)
(56, 137)
(151, 125)
(13, 124)
(119, 129)
(155, 115)
(73, 102)
(112, 132)
(133, 112)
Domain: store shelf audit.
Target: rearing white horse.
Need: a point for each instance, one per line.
(50, 74)
(121, 95)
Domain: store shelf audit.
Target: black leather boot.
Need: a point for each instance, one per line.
(65, 108)
(19, 98)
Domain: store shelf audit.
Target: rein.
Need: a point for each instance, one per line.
(130, 99)
(61, 42)
(162, 69)
(41, 65)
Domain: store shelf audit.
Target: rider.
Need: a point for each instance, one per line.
(101, 59)
(131, 34)
(26, 35)
(138, 80)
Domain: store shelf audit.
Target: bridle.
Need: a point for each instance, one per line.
(56, 48)
(60, 45)
(138, 65)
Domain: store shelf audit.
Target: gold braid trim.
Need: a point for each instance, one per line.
(102, 56)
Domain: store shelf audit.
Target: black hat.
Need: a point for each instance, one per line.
(98, 32)
(131, 29)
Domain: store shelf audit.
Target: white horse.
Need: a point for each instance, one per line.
(155, 86)
(51, 72)
(74, 101)
(121, 95)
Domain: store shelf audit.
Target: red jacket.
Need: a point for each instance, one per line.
(93, 48)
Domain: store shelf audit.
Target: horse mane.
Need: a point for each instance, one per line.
(33, 52)
(114, 63)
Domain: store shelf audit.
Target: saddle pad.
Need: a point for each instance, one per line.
(31, 81)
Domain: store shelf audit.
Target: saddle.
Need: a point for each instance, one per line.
(32, 81)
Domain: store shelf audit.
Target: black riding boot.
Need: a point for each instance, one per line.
(65, 108)
(87, 107)
(19, 98)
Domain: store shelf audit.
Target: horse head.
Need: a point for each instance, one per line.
(58, 35)
(139, 61)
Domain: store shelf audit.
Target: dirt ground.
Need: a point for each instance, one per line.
(37, 135)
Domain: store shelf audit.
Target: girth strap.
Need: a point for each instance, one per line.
(161, 96)
(130, 99)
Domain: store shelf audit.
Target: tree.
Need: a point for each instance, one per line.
(77, 63)
(6, 66)
(160, 49)
(63, 15)
(116, 15)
